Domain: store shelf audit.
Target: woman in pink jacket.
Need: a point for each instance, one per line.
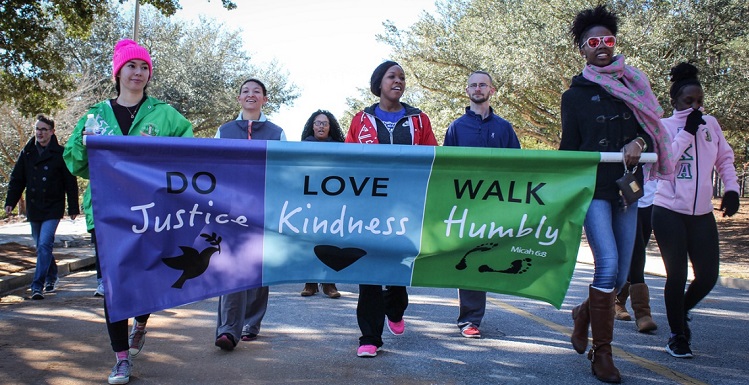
(683, 220)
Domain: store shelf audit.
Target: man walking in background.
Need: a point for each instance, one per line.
(478, 127)
(41, 171)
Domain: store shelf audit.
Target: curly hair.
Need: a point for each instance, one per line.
(682, 75)
(335, 133)
(589, 18)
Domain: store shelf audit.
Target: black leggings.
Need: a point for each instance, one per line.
(374, 305)
(642, 237)
(118, 331)
(679, 236)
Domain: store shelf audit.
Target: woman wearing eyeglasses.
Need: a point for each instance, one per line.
(322, 126)
(609, 107)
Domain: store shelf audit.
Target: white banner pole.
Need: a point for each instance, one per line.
(612, 157)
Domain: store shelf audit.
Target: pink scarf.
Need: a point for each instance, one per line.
(630, 85)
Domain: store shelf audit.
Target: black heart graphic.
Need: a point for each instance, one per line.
(337, 258)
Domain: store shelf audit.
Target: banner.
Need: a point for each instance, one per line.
(180, 220)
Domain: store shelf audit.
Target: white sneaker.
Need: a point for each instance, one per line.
(121, 372)
(99, 290)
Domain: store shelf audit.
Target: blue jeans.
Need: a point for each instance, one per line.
(610, 231)
(46, 267)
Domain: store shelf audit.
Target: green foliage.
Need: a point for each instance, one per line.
(33, 72)
(526, 46)
(198, 72)
(201, 71)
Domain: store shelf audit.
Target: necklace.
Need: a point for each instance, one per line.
(132, 113)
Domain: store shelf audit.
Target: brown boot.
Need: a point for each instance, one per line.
(602, 328)
(330, 290)
(641, 306)
(581, 317)
(621, 301)
(309, 289)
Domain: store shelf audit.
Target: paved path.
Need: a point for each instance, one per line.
(62, 340)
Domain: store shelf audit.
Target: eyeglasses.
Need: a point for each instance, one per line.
(483, 86)
(318, 123)
(42, 129)
(594, 42)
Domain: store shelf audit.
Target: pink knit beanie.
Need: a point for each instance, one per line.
(126, 50)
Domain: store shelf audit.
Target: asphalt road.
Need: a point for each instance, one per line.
(62, 340)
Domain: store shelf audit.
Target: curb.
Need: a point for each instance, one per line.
(18, 280)
(731, 283)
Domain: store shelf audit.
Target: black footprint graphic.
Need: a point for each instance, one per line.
(482, 247)
(516, 268)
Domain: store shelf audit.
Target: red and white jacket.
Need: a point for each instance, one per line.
(365, 125)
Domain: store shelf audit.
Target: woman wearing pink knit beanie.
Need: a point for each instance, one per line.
(126, 50)
(131, 113)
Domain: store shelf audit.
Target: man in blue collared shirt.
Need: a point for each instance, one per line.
(478, 127)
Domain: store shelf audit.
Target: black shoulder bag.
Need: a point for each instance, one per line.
(629, 190)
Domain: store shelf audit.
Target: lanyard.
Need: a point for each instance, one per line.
(249, 129)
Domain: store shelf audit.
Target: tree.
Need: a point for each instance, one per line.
(33, 73)
(525, 44)
(198, 73)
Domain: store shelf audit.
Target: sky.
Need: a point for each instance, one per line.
(328, 47)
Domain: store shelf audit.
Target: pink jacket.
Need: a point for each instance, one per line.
(691, 190)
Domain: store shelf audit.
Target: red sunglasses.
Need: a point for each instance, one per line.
(594, 42)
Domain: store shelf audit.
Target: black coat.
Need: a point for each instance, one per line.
(46, 180)
(595, 120)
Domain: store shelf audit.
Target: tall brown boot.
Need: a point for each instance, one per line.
(641, 306)
(602, 328)
(581, 318)
(309, 289)
(620, 305)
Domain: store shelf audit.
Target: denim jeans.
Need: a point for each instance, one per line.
(46, 268)
(610, 231)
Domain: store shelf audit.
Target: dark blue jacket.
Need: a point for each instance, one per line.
(470, 130)
(46, 180)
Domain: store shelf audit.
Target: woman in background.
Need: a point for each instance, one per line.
(683, 220)
(322, 126)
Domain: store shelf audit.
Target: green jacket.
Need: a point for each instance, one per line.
(154, 118)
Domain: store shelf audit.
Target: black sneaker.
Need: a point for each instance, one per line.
(678, 346)
(51, 286)
(37, 295)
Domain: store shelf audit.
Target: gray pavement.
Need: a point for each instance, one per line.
(63, 340)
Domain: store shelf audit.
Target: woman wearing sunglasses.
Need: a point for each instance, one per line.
(609, 107)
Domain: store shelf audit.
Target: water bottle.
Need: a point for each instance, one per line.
(91, 125)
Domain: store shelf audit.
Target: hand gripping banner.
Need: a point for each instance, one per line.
(180, 220)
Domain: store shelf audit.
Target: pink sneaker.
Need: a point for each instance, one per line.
(397, 328)
(367, 351)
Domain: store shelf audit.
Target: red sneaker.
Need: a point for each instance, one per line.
(470, 331)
